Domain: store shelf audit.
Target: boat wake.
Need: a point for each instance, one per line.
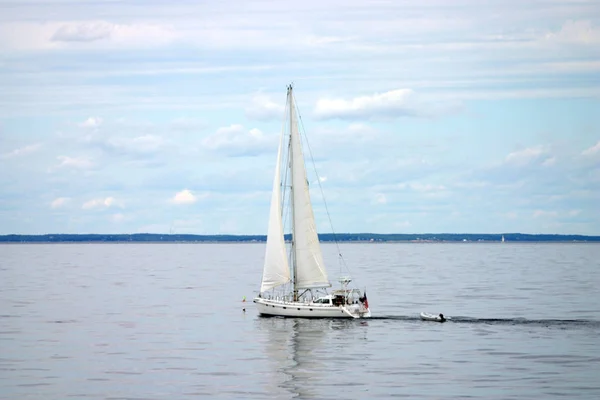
(499, 321)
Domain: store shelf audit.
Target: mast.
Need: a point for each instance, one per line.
(294, 266)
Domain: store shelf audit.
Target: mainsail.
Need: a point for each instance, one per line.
(310, 269)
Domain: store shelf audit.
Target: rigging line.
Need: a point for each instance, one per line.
(321, 188)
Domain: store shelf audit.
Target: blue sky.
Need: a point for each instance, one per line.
(430, 116)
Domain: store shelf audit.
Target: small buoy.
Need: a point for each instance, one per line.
(243, 309)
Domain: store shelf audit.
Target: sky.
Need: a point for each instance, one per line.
(423, 116)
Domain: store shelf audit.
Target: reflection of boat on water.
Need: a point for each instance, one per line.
(301, 352)
(299, 277)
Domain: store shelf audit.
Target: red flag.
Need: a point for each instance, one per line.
(364, 300)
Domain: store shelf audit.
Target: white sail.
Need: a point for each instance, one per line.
(310, 269)
(276, 270)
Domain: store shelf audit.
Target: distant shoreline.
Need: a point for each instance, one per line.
(595, 242)
(326, 237)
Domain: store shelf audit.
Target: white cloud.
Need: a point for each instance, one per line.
(354, 137)
(99, 203)
(91, 122)
(141, 34)
(395, 103)
(576, 32)
(360, 129)
(544, 214)
(83, 32)
(592, 150)
(74, 162)
(187, 124)
(59, 202)
(32, 148)
(186, 197)
(319, 41)
(236, 141)
(549, 161)
(263, 108)
(380, 198)
(421, 187)
(55, 35)
(573, 213)
(525, 156)
(140, 144)
(117, 218)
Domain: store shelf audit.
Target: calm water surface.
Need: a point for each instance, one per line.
(158, 321)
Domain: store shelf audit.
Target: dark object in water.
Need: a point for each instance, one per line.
(432, 317)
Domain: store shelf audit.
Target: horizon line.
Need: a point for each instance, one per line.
(324, 233)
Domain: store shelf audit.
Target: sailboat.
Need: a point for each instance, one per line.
(295, 283)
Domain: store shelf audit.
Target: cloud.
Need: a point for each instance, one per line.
(234, 140)
(350, 141)
(54, 35)
(319, 41)
(576, 32)
(544, 214)
(117, 218)
(32, 148)
(360, 129)
(92, 31)
(380, 198)
(263, 108)
(60, 202)
(99, 203)
(74, 162)
(139, 144)
(595, 149)
(83, 32)
(184, 197)
(187, 124)
(91, 122)
(394, 103)
(525, 156)
(420, 187)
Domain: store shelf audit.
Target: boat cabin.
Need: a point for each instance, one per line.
(323, 300)
(337, 299)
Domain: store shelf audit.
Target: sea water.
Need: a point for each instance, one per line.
(158, 321)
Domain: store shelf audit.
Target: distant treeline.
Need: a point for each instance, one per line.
(325, 237)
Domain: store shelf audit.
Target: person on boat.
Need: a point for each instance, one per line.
(442, 319)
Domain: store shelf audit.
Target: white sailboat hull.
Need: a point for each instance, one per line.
(309, 310)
